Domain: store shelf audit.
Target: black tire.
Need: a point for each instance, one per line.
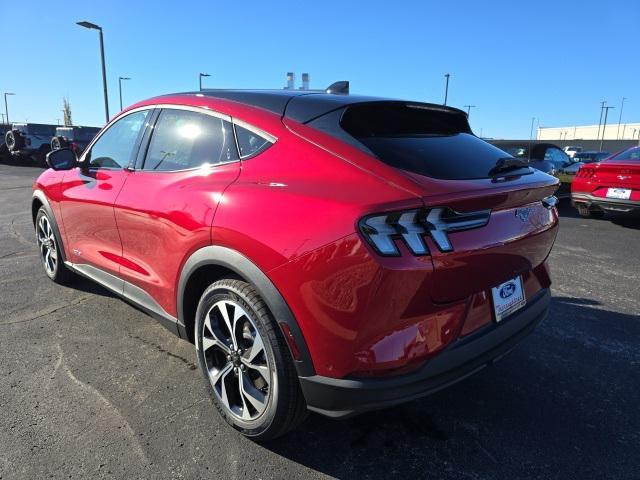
(59, 273)
(285, 405)
(4, 152)
(586, 212)
(59, 142)
(14, 140)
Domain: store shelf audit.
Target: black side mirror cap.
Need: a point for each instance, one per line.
(63, 159)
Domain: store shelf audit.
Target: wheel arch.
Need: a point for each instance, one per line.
(212, 263)
(39, 200)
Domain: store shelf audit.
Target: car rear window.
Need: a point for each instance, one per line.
(631, 154)
(425, 140)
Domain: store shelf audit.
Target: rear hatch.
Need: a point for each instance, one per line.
(458, 173)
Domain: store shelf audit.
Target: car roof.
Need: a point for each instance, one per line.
(302, 105)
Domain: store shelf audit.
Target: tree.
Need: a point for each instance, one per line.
(66, 110)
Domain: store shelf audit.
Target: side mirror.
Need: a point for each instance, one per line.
(63, 159)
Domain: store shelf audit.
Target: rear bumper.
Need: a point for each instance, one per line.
(340, 398)
(611, 204)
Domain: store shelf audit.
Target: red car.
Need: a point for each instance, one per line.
(323, 252)
(612, 185)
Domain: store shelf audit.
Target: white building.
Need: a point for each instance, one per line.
(613, 131)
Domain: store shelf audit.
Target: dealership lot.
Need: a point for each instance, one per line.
(91, 387)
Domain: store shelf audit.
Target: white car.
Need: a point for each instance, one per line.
(571, 151)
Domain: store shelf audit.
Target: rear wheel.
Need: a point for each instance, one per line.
(49, 248)
(58, 142)
(14, 140)
(246, 362)
(586, 212)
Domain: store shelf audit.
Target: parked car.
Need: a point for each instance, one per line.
(323, 252)
(566, 174)
(30, 140)
(77, 138)
(546, 157)
(612, 185)
(571, 151)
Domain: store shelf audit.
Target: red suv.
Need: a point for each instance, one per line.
(323, 252)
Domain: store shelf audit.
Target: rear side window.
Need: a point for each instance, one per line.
(250, 143)
(184, 139)
(428, 141)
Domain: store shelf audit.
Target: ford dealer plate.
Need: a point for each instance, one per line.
(507, 298)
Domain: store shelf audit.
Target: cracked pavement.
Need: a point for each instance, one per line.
(92, 388)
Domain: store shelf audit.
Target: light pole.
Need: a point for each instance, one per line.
(620, 118)
(120, 88)
(602, 104)
(604, 125)
(446, 87)
(469, 107)
(93, 26)
(6, 107)
(200, 78)
(533, 119)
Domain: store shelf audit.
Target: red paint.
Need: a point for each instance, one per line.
(293, 211)
(595, 179)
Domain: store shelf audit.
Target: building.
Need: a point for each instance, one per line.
(612, 131)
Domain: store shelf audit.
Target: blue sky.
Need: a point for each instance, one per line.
(554, 60)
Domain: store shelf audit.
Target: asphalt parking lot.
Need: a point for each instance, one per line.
(91, 387)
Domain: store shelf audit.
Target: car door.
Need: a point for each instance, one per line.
(88, 193)
(166, 207)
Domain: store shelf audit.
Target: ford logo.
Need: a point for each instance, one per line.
(507, 290)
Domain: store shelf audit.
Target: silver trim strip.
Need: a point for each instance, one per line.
(115, 284)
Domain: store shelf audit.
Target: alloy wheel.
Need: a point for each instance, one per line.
(47, 245)
(236, 360)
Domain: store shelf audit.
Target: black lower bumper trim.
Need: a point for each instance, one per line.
(613, 204)
(340, 398)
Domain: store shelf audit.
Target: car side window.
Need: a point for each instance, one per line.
(183, 139)
(250, 143)
(556, 156)
(115, 146)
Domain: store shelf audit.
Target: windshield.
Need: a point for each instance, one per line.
(632, 154)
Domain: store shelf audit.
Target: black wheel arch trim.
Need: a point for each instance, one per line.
(38, 195)
(245, 268)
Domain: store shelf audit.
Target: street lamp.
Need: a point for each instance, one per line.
(93, 26)
(620, 117)
(200, 78)
(604, 125)
(446, 87)
(469, 107)
(6, 107)
(120, 88)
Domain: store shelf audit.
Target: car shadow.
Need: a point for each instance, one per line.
(83, 284)
(541, 412)
(566, 210)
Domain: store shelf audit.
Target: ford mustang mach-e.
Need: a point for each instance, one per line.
(325, 252)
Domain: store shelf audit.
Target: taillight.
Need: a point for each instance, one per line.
(586, 172)
(410, 226)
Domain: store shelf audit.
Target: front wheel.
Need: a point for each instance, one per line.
(246, 362)
(49, 248)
